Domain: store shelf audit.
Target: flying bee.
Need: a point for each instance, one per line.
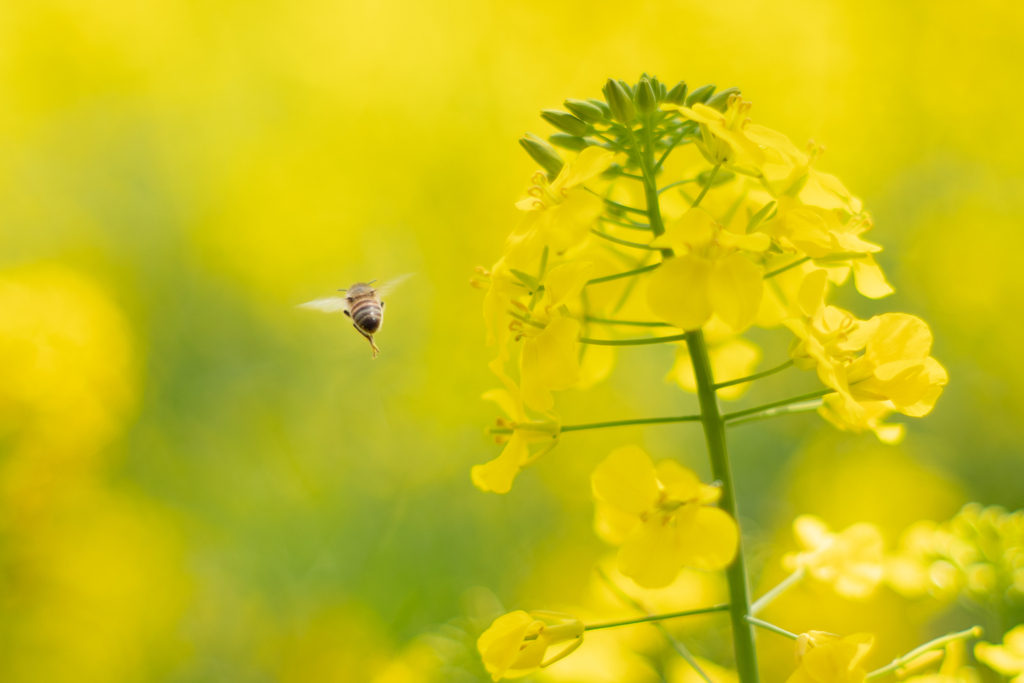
(363, 304)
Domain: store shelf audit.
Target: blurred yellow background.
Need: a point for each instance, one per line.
(199, 482)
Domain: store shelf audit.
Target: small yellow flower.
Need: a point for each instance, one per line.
(1008, 658)
(661, 517)
(952, 670)
(560, 213)
(498, 474)
(827, 658)
(725, 138)
(709, 274)
(850, 560)
(515, 645)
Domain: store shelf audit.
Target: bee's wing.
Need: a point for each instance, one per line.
(330, 304)
(392, 284)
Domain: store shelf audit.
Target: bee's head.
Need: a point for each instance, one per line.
(358, 289)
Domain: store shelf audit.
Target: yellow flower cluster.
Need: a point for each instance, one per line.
(732, 226)
(851, 560)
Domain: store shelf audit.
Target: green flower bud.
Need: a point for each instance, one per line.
(566, 141)
(701, 95)
(646, 101)
(662, 91)
(630, 90)
(603, 106)
(585, 110)
(543, 153)
(720, 100)
(620, 103)
(564, 121)
(677, 95)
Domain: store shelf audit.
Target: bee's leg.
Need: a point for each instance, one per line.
(347, 314)
(369, 338)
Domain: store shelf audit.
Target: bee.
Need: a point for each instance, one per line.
(362, 303)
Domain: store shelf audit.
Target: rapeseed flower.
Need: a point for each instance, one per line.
(711, 274)
(1008, 658)
(516, 643)
(661, 517)
(952, 670)
(498, 474)
(731, 357)
(827, 658)
(851, 560)
(726, 137)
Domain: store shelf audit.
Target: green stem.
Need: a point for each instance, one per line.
(602, 425)
(625, 243)
(631, 323)
(783, 269)
(785, 402)
(619, 276)
(777, 412)
(772, 627)
(657, 617)
(676, 184)
(973, 632)
(616, 205)
(643, 341)
(751, 378)
(624, 224)
(736, 573)
(783, 586)
(681, 649)
(707, 186)
(650, 183)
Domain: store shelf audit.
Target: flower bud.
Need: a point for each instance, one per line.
(605, 111)
(630, 90)
(571, 142)
(701, 95)
(646, 101)
(564, 121)
(677, 95)
(543, 153)
(585, 111)
(619, 101)
(720, 100)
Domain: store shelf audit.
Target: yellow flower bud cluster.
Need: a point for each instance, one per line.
(978, 554)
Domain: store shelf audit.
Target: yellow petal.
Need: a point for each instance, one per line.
(596, 365)
(808, 232)
(694, 230)
(897, 337)
(505, 401)
(680, 483)
(612, 525)
(535, 390)
(651, 556)
(591, 162)
(811, 531)
(869, 278)
(735, 288)
(710, 540)
(678, 292)
(626, 479)
(498, 474)
(565, 282)
(499, 645)
(732, 359)
(568, 224)
(812, 291)
(556, 346)
(1001, 658)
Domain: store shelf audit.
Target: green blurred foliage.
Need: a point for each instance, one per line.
(208, 484)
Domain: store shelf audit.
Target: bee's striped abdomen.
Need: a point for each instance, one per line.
(367, 314)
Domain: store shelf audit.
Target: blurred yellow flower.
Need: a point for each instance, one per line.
(894, 372)
(724, 136)
(952, 670)
(827, 658)
(498, 474)
(516, 643)
(1008, 658)
(731, 357)
(661, 517)
(709, 274)
(851, 560)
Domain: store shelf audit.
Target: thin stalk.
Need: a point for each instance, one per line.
(783, 269)
(780, 588)
(657, 617)
(777, 412)
(631, 323)
(784, 402)
(600, 425)
(643, 341)
(625, 243)
(616, 205)
(650, 184)
(676, 184)
(973, 632)
(618, 276)
(751, 378)
(736, 573)
(624, 224)
(707, 186)
(772, 627)
(681, 649)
